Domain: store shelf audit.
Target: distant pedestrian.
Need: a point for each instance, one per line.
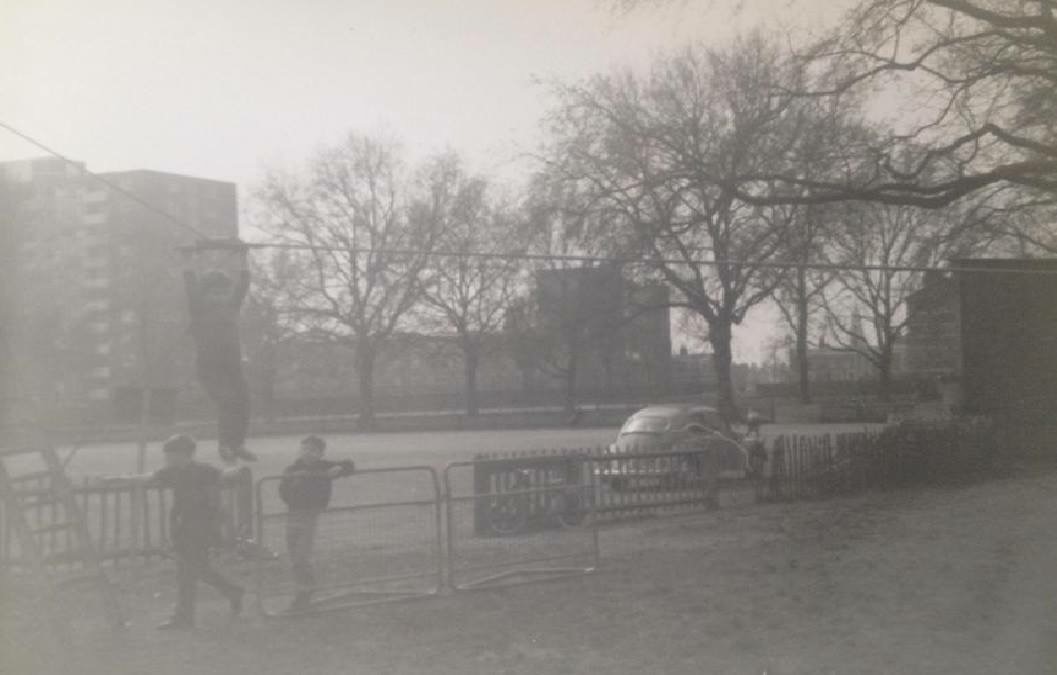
(753, 422)
(194, 526)
(306, 488)
(214, 301)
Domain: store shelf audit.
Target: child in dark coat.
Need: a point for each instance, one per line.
(306, 488)
(194, 525)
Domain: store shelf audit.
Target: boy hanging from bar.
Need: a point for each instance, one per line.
(306, 488)
(214, 300)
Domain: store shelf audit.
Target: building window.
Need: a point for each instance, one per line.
(99, 393)
(95, 306)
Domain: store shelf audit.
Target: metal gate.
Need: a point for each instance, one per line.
(379, 541)
(528, 523)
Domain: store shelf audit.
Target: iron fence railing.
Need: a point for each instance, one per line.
(126, 521)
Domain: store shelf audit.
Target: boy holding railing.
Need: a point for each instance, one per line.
(306, 488)
(194, 524)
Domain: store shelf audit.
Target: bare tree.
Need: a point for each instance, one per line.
(1022, 222)
(799, 294)
(270, 323)
(470, 295)
(982, 75)
(368, 247)
(659, 160)
(867, 312)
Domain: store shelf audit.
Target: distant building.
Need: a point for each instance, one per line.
(625, 328)
(695, 371)
(101, 307)
(1009, 343)
(834, 364)
(994, 332)
(692, 368)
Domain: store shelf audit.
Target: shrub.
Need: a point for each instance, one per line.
(916, 452)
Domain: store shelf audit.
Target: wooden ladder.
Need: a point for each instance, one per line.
(57, 517)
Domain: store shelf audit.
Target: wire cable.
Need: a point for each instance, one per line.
(110, 184)
(548, 257)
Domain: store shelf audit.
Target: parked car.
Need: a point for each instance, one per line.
(661, 429)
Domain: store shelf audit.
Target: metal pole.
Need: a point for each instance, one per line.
(143, 433)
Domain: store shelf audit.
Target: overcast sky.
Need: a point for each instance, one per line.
(222, 88)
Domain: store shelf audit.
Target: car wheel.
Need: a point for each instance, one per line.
(619, 484)
(507, 515)
(570, 511)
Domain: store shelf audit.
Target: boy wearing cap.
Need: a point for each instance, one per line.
(306, 489)
(194, 525)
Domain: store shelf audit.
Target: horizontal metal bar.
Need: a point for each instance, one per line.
(577, 458)
(496, 579)
(356, 507)
(41, 497)
(520, 561)
(14, 452)
(649, 505)
(286, 588)
(346, 606)
(419, 468)
(573, 487)
(36, 475)
(54, 527)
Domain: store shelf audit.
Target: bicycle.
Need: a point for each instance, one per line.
(510, 513)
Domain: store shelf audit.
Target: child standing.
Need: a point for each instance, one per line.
(306, 489)
(214, 301)
(194, 526)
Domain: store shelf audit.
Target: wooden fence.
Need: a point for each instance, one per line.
(818, 466)
(915, 453)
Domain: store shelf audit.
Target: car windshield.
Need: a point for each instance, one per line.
(646, 424)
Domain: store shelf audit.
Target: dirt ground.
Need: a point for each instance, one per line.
(941, 580)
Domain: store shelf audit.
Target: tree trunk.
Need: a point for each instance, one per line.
(570, 387)
(719, 336)
(884, 368)
(801, 336)
(365, 374)
(471, 359)
(268, 375)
